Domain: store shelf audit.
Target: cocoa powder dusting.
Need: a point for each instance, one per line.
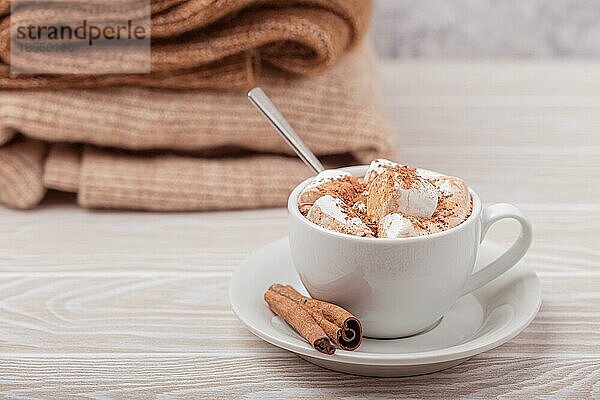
(348, 188)
(408, 175)
(354, 194)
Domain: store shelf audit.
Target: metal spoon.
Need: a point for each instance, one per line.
(268, 109)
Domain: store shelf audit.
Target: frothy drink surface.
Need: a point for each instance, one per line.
(391, 201)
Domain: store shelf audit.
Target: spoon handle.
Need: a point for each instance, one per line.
(268, 109)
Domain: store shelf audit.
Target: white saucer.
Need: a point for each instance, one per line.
(477, 322)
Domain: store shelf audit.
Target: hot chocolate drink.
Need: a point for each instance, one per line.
(391, 201)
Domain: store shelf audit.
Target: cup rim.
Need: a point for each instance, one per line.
(358, 170)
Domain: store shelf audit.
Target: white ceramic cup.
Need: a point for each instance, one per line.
(399, 287)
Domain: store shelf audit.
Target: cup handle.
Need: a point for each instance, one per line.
(510, 257)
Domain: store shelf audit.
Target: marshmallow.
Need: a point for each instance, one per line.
(401, 190)
(396, 226)
(377, 167)
(319, 185)
(456, 204)
(394, 200)
(360, 207)
(452, 186)
(333, 214)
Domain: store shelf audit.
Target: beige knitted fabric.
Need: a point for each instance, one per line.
(150, 149)
(216, 43)
(21, 169)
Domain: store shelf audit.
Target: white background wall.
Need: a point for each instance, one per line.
(487, 28)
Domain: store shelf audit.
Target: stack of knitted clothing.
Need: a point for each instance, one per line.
(184, 137)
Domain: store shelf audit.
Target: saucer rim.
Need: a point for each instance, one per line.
(460, 351)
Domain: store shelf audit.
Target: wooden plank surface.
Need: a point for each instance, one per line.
(117, 304)
(286, 376)
(72, 240)
(190, 313)
(488, 122)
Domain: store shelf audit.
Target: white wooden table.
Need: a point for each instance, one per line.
(114, 304)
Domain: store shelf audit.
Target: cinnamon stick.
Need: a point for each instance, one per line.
(301, 320)
(338, 324)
